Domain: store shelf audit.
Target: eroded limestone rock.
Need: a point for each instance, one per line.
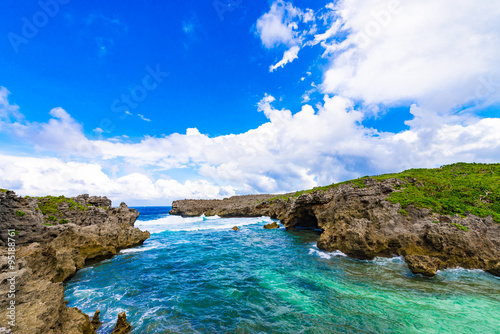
(96, 321)
(122, 326)
(271, 226)
(48, 255)
(421, 264)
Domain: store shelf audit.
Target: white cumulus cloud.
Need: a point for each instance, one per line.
(277, 26)
(440, 54)
(437, 59)
(289, 56)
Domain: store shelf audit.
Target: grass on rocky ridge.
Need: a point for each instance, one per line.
(459, 188)
(356, 182)
(49, 205)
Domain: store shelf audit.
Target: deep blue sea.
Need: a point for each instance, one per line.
(196, 275)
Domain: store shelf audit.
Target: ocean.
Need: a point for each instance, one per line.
(196, 275)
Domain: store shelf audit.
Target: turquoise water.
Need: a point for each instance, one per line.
(195, 275)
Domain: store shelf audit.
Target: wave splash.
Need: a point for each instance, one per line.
(314, 250)
(202, 223)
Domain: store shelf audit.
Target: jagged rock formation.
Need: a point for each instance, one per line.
(122, 325)
(271, 226)
(237, 206)
(48, 253)
(363, 224)
(96, 321)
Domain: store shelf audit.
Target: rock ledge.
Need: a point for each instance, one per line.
(53, 241)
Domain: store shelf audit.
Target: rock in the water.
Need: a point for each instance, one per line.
(271, 225)
(96, 322)
(122, 326)
(421, 264)
(236, 228)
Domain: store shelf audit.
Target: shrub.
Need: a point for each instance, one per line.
(63, 221)
(456, 189)
(453, 189)
(20, 213)
(460, 227)
(47, 224)
(403, 212)
(52, 218)
(50, 204)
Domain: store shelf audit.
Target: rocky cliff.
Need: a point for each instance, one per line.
(54, 237)
(237, 206)
(360, 220)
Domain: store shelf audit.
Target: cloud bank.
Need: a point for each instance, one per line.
(437, 59)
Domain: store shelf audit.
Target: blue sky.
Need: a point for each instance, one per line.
(92, 52)
(153, 101)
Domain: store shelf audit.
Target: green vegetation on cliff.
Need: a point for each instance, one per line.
(50, 206)
(459, 188)
(460, 227)
(359, 183)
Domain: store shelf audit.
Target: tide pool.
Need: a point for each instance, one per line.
(196, 275)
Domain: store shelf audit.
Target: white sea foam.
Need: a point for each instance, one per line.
(459, 271)
(209, 217)
(178, 223)
(87, 293)
(463, 270)
(314, 250)
(138, 249)
(388, 260)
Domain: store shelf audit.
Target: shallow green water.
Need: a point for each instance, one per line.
(187, 280)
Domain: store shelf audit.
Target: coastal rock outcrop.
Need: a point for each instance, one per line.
(271, 226)
(421, 264)
(96, 320)
(54, 237)
(237, 206)
(122, 325)
(362, 223)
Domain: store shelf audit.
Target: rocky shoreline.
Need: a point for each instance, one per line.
(362, 223)
(54, 237)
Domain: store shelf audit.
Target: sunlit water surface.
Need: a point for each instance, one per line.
(196, 275)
